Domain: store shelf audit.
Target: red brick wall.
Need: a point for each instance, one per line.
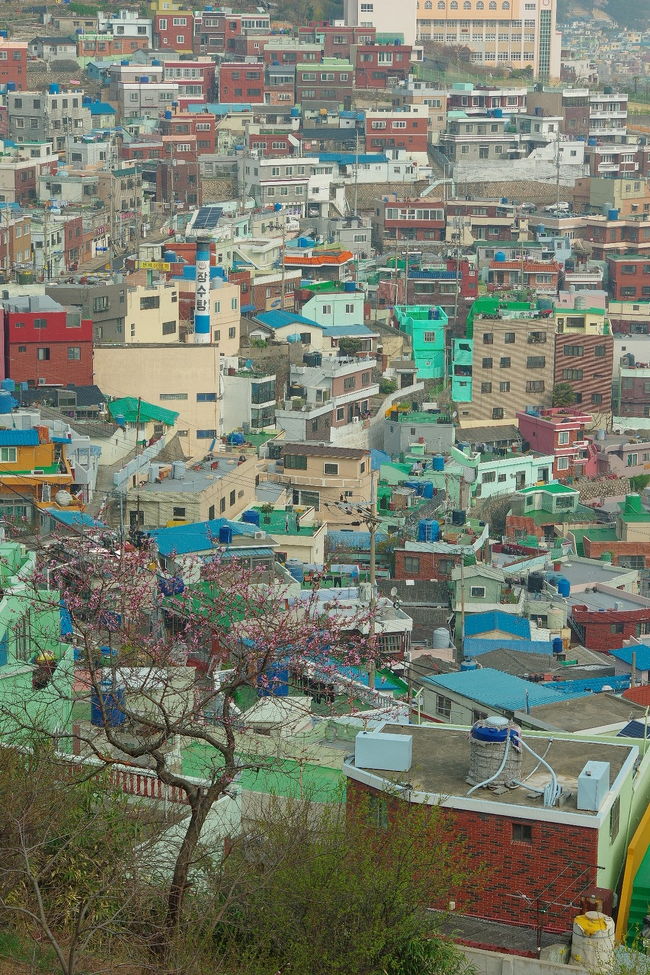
(557, 867)
(598, 633)
(594, 550)
(26, 367)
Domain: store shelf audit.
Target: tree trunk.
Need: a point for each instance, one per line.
(200, 808)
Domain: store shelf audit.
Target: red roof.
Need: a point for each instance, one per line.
(640, 695)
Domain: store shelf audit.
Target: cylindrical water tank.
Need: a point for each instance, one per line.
(251, 517)
(349, 286)
(592, 942)
(111, 698)
(555, 619)
(468, 664)
(8, 384)
(428, 530)
(168, 114)
(225, 535)
(63, 498)
(427, 490)
(274, 682)
(441, 638)
(6, 401)
(179, 470)
(558, 646)
(54, 88)
(458, 517)
(170, 256)
(563, 586)
(438, 463)
(612, 214)
(500, 257)
(487, 745)
(601, 434)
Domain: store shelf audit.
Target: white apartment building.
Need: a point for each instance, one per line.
(386, 16)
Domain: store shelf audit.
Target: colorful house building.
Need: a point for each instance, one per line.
(426, 325)
(561, 432)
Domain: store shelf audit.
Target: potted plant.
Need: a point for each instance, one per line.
(266, 510)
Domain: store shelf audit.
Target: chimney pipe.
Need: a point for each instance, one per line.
(202, 298)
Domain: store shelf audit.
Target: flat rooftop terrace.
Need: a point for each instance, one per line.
(441, 762)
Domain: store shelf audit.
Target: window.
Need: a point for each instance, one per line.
(169, 328)
(232, 497)
(74, 353)
(152, 301)
(43, 355)
(206, 434)
(429, 336)
(596, 399)
(563, 463)
(572, 373)
(222, 505)
(536, 362)
(350, 382)
(488, 338)
(178, 512)
(100, 304)
(296, 462)
(536, 338)
(504, 362)
(477, 592)
(232, 332)
(40, 323)
(522, 833)
(331, 469)
(535, 386)
(8, 455)
(504, 387)
(411, 563)
(563, 437)
(173, 396)
(377, 809)
(573, 350)
(509, 338)
(206, 397)
(487, 363)
(443, 706)
(486, 387)
(497, 413)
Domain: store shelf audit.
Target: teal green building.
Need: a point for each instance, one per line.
(426, 325)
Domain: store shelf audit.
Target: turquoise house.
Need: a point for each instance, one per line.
(426, 325)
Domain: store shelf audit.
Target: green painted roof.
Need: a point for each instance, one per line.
(283, 523)
(605, 534)
(128, 407)
(550, 489)
(632, 509)
(580, 515)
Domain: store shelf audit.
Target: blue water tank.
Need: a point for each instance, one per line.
(592, 141)
(171, 586)
(275, 681)
(8, 384)
(500, 256)
(427, 490)
(120, 420)
(558, 645)
(124, 63)
(170, 256)
(563, 586)
(24, 387)
(438, 463)
(55, 89)
(6, 401)
(498, 113)
(168, 114)
(296, 570)
(4, 33)
(236, 439)
(612, 214)
(435, 316)
(156, 62)
(468, 664)
(107, 655)
(225, 535)
(251, 517)
(295, 112)
(144, 80)
(428, 530)
(11, 86)
(112, 698)
(349, 286)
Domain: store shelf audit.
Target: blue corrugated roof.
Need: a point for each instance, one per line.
(200, 536)
(475, 646)
(377, 458)
(18, 438)
(101, 108)
(496, 689)
(593, 684)
(642, 651)
(68, 517)
(495, 619)
(280, 318)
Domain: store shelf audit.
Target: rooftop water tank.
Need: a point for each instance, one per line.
(558, 645)
(168, 114)
(428, 531)
(107, 705)
(438, 463)
(179, 470)
(54, 88)
(144, 80)
(427, 490)
(563, 586)
(592, 942)
(11, 86)
(225, 535)
(6, 401)
(487, 746)
(349, 286)
(468, 664)
(612, 214)
(499, 256)
(458, 517)
(251, 517)
(8, 384)
(441, 638)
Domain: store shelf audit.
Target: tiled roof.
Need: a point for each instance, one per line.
(639, 695)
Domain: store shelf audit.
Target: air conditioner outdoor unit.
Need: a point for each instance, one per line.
(260, 534)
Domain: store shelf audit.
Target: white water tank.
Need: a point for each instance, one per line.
(178, 470)
(487, 750)
(63, 498)
(592, 942)
(380, 750)
(441, 638)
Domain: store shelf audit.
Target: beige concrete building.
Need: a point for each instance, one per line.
(318, 475)
(181, 377)
(514, 33)
(151, 313)
(225, 314)
(175, 493)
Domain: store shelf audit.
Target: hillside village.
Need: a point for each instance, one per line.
(324, 486)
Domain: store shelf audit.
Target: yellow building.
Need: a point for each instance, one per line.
(34, 474)
(152, 313)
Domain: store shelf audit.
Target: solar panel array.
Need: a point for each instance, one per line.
(207, 218)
